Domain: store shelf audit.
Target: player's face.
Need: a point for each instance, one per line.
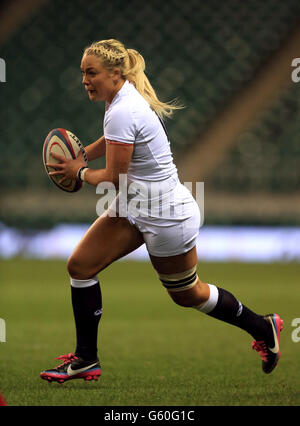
(100, 84)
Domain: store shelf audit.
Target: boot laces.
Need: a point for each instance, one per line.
(66, 358)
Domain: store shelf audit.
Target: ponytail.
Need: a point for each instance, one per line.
(136, 75)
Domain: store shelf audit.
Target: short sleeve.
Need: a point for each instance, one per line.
(119, 125)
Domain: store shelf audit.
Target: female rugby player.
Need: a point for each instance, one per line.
(136, 145)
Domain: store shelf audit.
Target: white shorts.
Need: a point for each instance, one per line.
(169, 221)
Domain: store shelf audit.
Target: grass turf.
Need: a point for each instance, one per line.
(152, 352)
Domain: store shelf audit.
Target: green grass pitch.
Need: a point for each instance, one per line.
(152, 352)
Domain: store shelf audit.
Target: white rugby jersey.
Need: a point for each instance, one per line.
(129, 119)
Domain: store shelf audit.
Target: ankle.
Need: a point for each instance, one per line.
(209, 298)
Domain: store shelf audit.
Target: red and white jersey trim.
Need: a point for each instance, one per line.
(118, 143)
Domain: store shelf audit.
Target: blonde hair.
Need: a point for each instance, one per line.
(113, 53)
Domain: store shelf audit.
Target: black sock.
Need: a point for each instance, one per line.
(87, 308)
(230, 310)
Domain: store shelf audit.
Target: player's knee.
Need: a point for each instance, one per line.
(78, 270)
(73, 266)
(182, 287)
(182, 299)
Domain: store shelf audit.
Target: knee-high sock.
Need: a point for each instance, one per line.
(87, 308)
(224, 306)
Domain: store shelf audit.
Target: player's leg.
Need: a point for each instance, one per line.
(107, 240)
(179, 276)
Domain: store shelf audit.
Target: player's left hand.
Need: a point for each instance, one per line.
(67, 168)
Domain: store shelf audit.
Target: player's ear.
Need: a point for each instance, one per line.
(116, 74)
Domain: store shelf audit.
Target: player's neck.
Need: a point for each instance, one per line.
(114, 92)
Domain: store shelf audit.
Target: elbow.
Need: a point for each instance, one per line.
(114, 179)
(116, 183)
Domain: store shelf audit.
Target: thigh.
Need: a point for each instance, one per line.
(108, 239)
(175, 264)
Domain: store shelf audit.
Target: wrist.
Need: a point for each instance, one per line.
(81, 172)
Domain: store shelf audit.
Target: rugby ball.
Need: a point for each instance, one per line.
(64, 143)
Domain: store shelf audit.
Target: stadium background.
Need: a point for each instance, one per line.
(228, 62)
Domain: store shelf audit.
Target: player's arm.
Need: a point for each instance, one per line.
(118, 157)
(96, 149)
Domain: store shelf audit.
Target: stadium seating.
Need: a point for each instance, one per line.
(266, 157)
(199, 52)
